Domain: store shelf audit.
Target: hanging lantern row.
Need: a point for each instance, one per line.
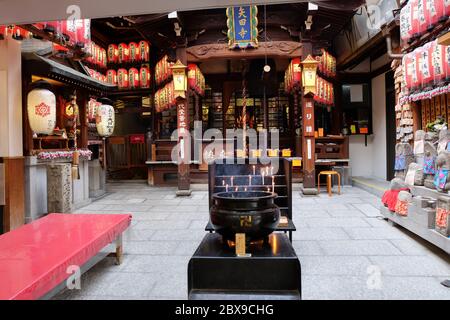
(41, 111)
(327, 64)
(426, 72)
(130, 79)
(420, 16)
(426, 67)
(97, 56)
(102, 112)
(324, 92)
(165, 98)
(163, 71)
(97, 75)
(196, 79)
(132, 52)
(16, 32)
(293, 75)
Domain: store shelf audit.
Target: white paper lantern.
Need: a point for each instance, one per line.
(105, 120)
(41, 109)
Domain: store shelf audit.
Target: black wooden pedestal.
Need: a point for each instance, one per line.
(272, 272)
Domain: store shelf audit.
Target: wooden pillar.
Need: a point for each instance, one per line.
(11, 144)
(184, 183)
(197, 113)
(308, 142)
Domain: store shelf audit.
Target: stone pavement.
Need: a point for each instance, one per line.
(346, 250)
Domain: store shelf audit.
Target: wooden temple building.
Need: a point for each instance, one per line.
(245, 67)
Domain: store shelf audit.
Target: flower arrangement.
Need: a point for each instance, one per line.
(437, 125)
(53, 155)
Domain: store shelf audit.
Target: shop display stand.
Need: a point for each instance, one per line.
(271, 272)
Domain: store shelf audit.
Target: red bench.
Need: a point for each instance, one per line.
(35, 258)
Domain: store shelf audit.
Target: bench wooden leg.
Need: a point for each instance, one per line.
(329, 184)
(339, 183)
(150, 177)
(119, 250)
(318, 183)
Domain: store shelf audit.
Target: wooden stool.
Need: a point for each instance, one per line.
(329, 174)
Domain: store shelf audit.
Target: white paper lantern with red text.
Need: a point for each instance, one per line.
(41, 108)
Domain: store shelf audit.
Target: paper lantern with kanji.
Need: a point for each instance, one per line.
(144, 51)
(133, 47)
(426, 65)
(133, 76)
(124, 53)
(422, 16)
(83, 30)
(111, 76)
(192, 75)
(113, 53)
(69, 30)
(415, 24)
(144, 74)
(405, 23)
(122, 79)
(105, 118)
(447, 62)
(296, 71)
(416, 81)
(41, 108)
(437, 57)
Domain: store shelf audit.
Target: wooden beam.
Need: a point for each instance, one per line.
(444, 40)
(285, 49)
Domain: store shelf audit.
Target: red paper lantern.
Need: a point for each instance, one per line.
(124, 53)
(415, 24)
(69, 30)
(447, 62)
(296, 71)
(111, 76)
(122, 79)
(421, 9)
(133, 76)
(426, 61)
(405, 23)
(192, 75)
(144, 51)
(415, 73)
(144, 74)
(83, 32)
(437, 57)
(113, 53)
(133, 47)
(407, 71)
(431, 15)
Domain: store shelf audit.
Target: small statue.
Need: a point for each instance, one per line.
(414, 176)
(419, 140)
(443, 216)
(401, 206)
(444, 137)
(441, 179)
(390, 196)
(429, 164)
(403, 157)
